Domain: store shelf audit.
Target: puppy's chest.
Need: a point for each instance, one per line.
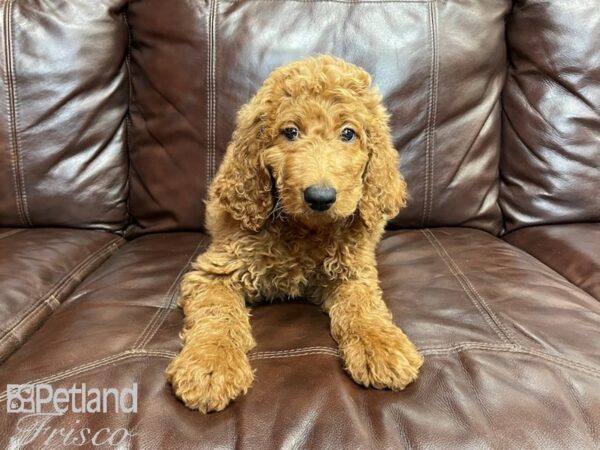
(290, 269)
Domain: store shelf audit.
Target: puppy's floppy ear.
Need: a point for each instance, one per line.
(384, 189)
(242, 185)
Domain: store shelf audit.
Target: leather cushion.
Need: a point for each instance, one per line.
(551, 128)
(63, 95)
(573, 250)
(440, 67)
(495, 325)
(39, 268)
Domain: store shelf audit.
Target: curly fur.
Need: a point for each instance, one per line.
(267, 244)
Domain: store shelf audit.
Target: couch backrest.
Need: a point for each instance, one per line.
(551, 129)
(70, 69)
(440, 66)
(64, 94)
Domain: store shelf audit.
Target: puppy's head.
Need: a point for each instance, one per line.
(313, 146)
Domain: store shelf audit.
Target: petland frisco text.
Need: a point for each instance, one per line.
(41, 404)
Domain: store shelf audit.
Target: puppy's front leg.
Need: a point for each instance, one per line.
(212, 368)
(376, 353)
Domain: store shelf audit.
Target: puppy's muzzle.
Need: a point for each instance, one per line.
(319, 198)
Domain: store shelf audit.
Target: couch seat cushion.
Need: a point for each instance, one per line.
(572, 250)
(38, 269)
(512, 349)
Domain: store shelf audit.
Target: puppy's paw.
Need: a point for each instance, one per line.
(209, 379)
(381, 357)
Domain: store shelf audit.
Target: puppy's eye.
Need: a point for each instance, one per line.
(291, 133)
(348, 135)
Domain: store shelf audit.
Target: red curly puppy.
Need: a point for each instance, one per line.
(296, 210)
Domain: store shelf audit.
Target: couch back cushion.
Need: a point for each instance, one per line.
(440, 66)
(64, 95)
(550, 164)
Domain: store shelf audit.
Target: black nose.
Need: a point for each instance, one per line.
(319, 198)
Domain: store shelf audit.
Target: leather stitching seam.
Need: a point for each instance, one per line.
(12, 116)
(214, 87)
(16, 129)
(464, 344)
(507, 336)
(431, 113)
(208, 94)
(429, 100)
(12, 333)
(440, 351)
(56, 290)
(506, 332)
(292, 355)
(161, 313)
(294, 350)
(211, 94)
(112, 359)
(6, 13)
(453, 270)
(434, 105)
(11, 233)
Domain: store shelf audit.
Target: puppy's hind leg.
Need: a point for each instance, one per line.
(212, 368)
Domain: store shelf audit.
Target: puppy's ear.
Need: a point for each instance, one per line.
(242, 185)
(384, 189)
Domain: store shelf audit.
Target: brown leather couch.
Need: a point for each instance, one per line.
(114, 117)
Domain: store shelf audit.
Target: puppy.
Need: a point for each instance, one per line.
(296, 210)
